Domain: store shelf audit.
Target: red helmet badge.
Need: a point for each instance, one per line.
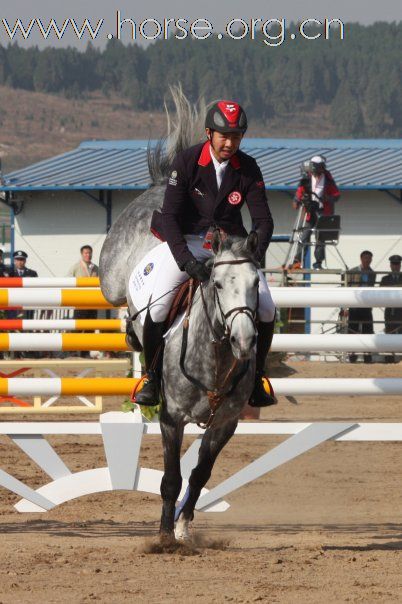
(231, 112)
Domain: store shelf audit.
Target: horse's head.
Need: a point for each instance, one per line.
(235, 280)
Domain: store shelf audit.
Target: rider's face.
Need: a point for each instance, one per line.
(224, 145)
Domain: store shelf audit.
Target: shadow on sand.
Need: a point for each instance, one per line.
(374, 536)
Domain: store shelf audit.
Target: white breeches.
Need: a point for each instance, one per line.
(157, 274)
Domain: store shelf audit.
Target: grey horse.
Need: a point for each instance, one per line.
(216, 366)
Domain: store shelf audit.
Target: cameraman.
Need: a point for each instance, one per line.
(317, 193)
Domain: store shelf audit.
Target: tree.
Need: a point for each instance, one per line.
(377, 108)
(346, 112)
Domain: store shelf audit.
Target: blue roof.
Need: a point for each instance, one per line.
(355, 164)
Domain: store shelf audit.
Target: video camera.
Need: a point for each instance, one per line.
(309, 199)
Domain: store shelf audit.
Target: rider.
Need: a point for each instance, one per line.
(318, 193)
(207, 188)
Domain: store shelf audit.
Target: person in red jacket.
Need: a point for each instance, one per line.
(317, 191)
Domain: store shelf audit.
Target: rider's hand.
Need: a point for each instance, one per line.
(197, 270)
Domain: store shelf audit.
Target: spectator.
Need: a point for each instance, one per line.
(317, 192)
(20, 269)
(85, 268)
(393, 316)
(360, 320)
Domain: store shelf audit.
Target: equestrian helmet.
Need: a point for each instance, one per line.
(226, 117)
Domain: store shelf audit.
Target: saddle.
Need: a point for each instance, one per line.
(181, 302)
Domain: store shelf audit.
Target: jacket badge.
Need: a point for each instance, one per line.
(173, 178)
(234, 198)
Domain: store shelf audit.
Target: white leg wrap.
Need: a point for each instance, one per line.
(181, 531)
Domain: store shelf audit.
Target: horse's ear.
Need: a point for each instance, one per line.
(216, 241)
(252, 242)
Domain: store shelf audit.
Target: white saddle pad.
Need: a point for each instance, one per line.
(142, 279)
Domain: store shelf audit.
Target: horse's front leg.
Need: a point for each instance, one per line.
(172, 436)
(211, 445)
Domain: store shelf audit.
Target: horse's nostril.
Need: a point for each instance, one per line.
(232, 339)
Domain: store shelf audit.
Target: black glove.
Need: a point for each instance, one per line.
(197, 270)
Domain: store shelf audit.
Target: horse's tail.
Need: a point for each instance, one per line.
(184, 130)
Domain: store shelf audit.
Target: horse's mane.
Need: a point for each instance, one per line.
(185, 130)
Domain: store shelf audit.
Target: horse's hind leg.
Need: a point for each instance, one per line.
(211, 445)
(172, 436)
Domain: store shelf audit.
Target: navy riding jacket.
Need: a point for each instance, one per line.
(193, 204)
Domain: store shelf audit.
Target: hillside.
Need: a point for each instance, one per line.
(35, 126)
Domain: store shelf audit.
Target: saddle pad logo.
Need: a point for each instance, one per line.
(149, 267)
(235, 198)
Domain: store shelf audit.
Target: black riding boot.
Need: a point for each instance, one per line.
(153, 351)
(259, 397)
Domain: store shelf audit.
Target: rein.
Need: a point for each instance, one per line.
(218, 394)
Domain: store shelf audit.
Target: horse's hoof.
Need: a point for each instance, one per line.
(181, 531)
(167, 539)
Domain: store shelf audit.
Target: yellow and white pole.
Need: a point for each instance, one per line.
(57, 342)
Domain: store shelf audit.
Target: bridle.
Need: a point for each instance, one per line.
(218, 394)
(237, 310)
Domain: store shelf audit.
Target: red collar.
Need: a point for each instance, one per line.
(205, 157)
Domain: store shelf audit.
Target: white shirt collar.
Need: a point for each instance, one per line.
(219, 166)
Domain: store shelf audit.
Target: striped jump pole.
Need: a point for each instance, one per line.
(54, 342)
(124, 386)
(58, 342)
(62, 324)
(350, 297)
(11, 282)
(288, 297)
(52, 298)
(337, 343)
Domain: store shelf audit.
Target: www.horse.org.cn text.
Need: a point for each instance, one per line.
(271, 32)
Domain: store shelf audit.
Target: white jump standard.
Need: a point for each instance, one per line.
(122, 435)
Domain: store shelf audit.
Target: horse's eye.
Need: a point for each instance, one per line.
(218, 285)
(256, 282)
